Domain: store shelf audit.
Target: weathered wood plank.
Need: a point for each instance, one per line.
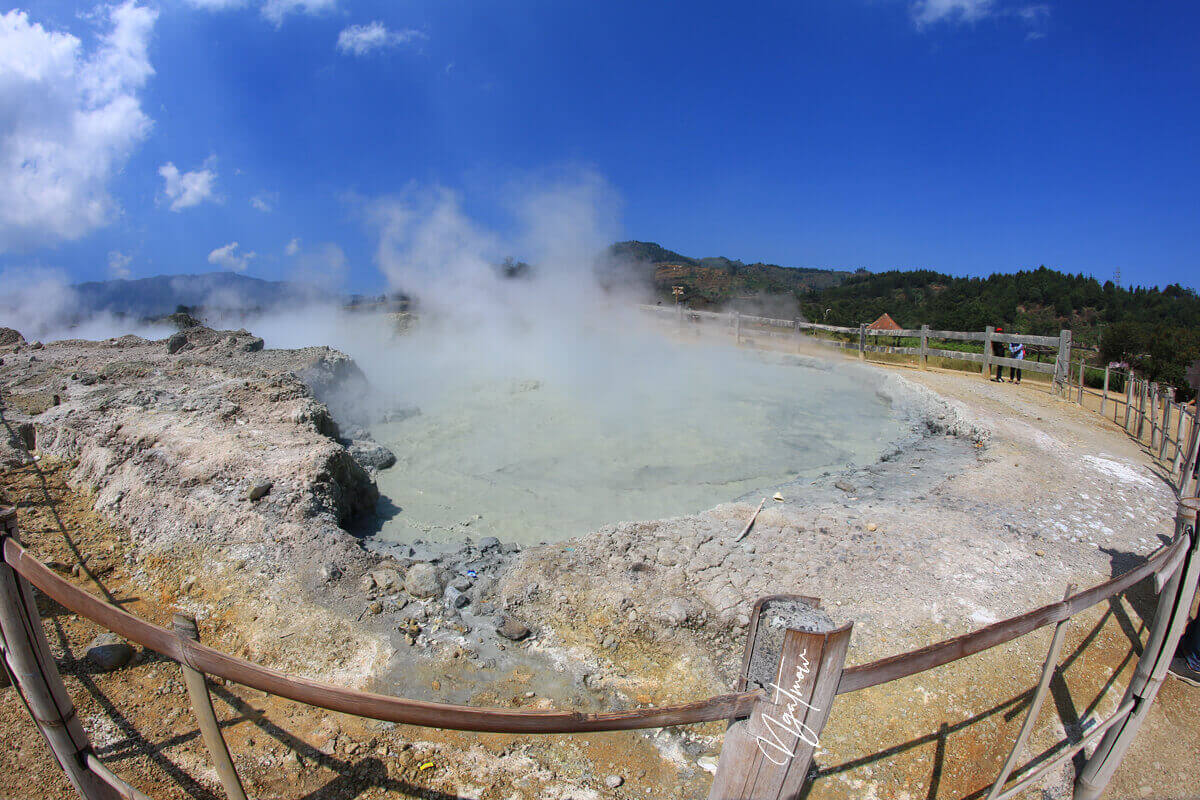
(767, 756)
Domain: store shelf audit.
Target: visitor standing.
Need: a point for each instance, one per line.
(1016, 350)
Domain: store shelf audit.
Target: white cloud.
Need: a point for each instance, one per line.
(360, 40)
(276, 10)
(292, 248)
(928, 12)
(69, 121)
(1034, 18)
(188, 189)
(229, 258)
(265, 201)
(118, 264)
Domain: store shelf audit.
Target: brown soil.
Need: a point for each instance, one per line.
(140, 722)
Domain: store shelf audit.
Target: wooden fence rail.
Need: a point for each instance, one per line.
(856, 338)
(759, 760)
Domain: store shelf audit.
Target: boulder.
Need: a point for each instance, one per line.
(9, 337)
(258, 490)
(387, 580)
(252, 345)
(109, 651)
(512, 629)
(422, 581)
(371, 455)
(176, 342)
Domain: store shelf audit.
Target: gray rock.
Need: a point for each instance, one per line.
(258, 490)
(488, 542)
(511, 628)
(109, 651)
(613, 781)
(330, 572)
(461, 583)
(385, 579)
(176, 342)
(252, 345)
(371, 455)
(845, 486)
(422, 581)
(675, 614)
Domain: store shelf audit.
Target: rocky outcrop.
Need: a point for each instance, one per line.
(203, 439)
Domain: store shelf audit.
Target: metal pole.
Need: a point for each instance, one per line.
(27, 655)
(202, 705)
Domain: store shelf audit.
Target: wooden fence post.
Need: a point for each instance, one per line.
(796, 326)
(1080, 399)
(1164, 434)
(924, 347)
(862, 341)
(210, 729)
(27, 654)
(737, 327)
(989, 331)
(1140, 427)
(1190, 464)
(1062, 362)
(768, 755)
(1170, 617)
(1154, 392)
(1104, 396)
(1129, 381)
(1181, 446)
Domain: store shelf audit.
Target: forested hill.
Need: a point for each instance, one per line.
(1157, 331)
(1040, 301)
(720, 281)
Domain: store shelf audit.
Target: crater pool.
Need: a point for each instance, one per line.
(545, 458)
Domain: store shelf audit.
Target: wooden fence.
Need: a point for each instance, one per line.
(774, 725)
(1148, 412)
(743, 326)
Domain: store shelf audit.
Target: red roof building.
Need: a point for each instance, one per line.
(884, 323)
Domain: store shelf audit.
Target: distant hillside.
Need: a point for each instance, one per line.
(1156, 331)
(154, 297)
(720, 281)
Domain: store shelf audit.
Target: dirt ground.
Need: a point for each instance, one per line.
(933, 742)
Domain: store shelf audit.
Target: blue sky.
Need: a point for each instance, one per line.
(967, 136)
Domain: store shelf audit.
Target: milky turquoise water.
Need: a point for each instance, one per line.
(533, 459)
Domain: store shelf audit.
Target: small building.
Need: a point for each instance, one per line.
(884, 323)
